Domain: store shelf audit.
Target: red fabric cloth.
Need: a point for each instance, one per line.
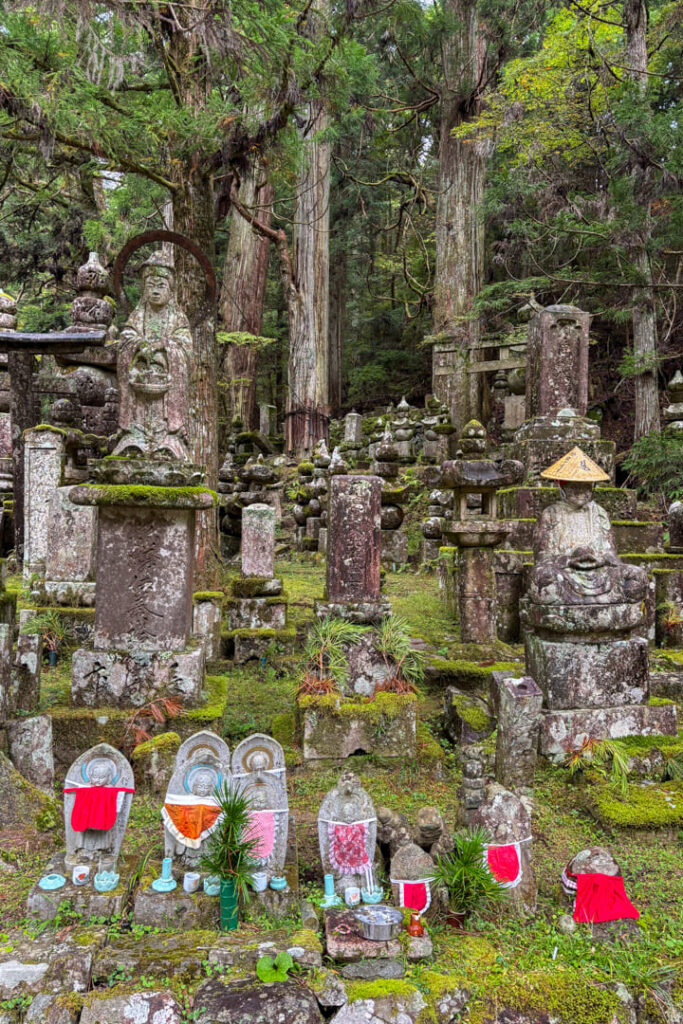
(347, 847)
(95, 806)
(415, 895)
(602, 898)
(503, 862)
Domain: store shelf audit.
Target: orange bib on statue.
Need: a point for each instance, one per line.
(190, 822)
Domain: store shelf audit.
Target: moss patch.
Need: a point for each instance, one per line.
(468, 673)
(208, 595)
(216, 700)
(150, 497)
(382, 988)
(471, 712)
(647, 806)
(165, 741)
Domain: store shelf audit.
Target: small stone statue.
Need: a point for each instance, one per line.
(155, 354)
(98, 791)
(191, 812)
(258, 766)
(347, 832)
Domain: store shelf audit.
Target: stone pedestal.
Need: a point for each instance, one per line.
(564, 732)
(607, 673)
(82, 899)
(332, 728)
(44, 457)
(143, 618)
(346, 945)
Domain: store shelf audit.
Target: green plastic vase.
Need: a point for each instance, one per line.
(228, 903)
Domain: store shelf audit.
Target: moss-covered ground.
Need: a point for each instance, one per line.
(505, 961)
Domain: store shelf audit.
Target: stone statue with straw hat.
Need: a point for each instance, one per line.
(575, 554)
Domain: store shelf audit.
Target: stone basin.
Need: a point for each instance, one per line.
(477, 533)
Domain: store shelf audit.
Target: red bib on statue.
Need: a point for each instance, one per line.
(95, 807)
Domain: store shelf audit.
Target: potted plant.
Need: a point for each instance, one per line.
(465, 875)
(229, 853)
(53, 628)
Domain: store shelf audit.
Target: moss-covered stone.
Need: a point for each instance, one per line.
(642, 807)
(468, 674)
(142, 495)
(333, 727)
(381, 988)
(216, 699)
(471, 711)
(208, 595)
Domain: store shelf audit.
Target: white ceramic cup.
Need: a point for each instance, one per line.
(352, 896)
(259, 880)
(191, 880)
(80, 874)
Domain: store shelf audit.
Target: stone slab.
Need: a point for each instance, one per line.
(394, 547)
(256, 613)
(120, 1008)
(178, 909)
(639, 537)
(71, 540)
(353, 556)
(70, 594)
(145, 559)
(123, 679)
(43, 964)
(82, 899)
(43, 465)
(242, 951)
(360, 612)
(563, 732)
(346, 945)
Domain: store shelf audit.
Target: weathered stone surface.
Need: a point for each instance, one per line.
(71, 540)
(44, 454)
(30, 749)
(329, 989)
(258, 767)
(145, 560)
(411, 863)
(206, 624)
(563, 732)
(258, 540)
(353, 557)
(105, 678)
(393, 1008)
(517, 704)
(249, 1002)
(477, 595)
(131, 1008)
(25, 673)
(589, 675)
(46, 1009)
(676, 527)
(153, 762)
(467, 716)
(44, 965)
(345, 944)
(177, 910)
(638, 537)
(668, 608)
(257, 613)
(367, 970)
(353, 427)
(347, 804)
(340, 731)
(244, 951)
(22, 802)
(101, 766)
(367, 669)
(153, 955)
(557, 361)
(394, 547)
(506, 819)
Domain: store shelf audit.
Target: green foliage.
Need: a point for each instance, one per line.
(655, 462)
(54, 628)
(229, 851)
(464, 873)
(243, 338)
(394, 642)
(325, 647)
(269, 969)
(604, 758)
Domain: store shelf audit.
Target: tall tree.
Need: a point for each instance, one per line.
(245, 270)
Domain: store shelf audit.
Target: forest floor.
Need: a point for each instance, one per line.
(503, 959)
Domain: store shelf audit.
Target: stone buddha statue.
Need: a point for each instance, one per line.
(575, 555)
(155, 354)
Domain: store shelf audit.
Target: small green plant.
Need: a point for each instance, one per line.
(325, 654)
(53, 627)
(269, 969)
(404, 664)
(465, 874)
(230, 849)
(604, 758)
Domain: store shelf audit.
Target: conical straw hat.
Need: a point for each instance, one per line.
(576, 467)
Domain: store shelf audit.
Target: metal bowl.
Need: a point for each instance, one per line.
(379, 923)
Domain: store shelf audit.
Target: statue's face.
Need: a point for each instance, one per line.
(577, 495)
(203, 784)
(100, 774)
(157, 289)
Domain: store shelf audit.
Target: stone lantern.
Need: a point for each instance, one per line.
(476, 535)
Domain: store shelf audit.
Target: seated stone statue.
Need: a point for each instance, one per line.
(575, 555)
(155, 353)
(98, 791)
(347, 833)
(191, 811)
